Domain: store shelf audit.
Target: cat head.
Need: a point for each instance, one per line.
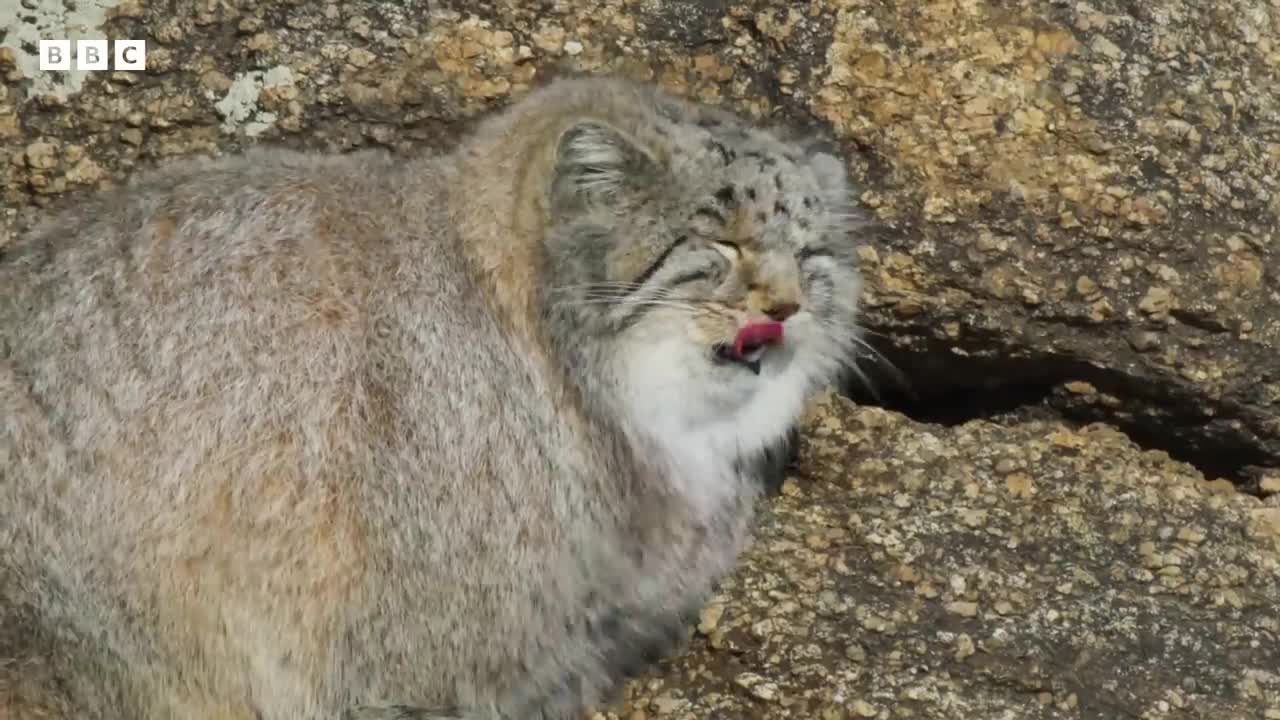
(706, 265)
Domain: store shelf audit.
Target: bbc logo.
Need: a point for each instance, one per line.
(93, 55)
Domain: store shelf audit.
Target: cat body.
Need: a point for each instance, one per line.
(286, 436)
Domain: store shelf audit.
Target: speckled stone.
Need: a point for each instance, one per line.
(983, 571)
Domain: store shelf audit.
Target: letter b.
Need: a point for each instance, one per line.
(55, 55)
(91, 54)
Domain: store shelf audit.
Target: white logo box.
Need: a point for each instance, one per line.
(89, 55)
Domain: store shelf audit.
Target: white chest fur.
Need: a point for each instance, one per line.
(704, 419)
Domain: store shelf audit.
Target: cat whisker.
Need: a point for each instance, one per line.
(648, 302)
(594, 287)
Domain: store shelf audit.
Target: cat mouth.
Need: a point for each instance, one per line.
(750, 344)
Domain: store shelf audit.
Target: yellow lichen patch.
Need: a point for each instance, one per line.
(969, 105)
(479, 60)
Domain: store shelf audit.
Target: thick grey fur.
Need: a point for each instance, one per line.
(288, 436)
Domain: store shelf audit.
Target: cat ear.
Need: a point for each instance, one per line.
(597, 165)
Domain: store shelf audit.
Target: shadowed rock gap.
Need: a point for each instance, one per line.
(941, 387)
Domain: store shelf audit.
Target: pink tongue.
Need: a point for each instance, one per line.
(755, 334)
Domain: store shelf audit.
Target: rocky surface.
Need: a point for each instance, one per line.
(987, 571)
(1078, 205)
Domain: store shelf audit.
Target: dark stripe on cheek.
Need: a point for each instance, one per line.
(637, 310)
(811, 252)
(648, 273)
(710, 213)
(689, 277)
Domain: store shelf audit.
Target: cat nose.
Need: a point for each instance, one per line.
(782, 311)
